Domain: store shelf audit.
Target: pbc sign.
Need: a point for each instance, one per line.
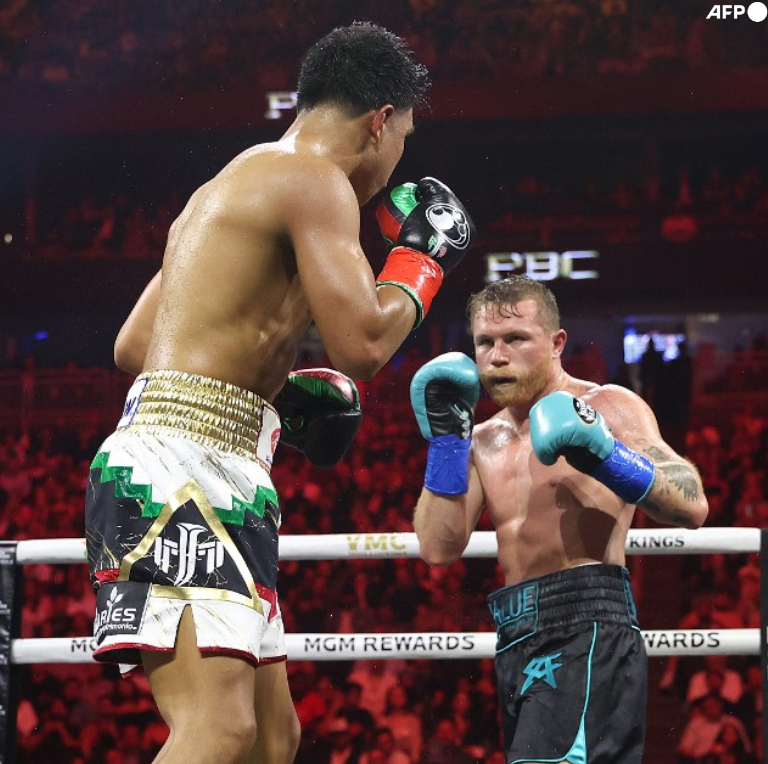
(542, 266)
(279, 101)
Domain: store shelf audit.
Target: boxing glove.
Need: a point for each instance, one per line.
(562, 425)
(320, 413)
(444, 393)
(430, 232)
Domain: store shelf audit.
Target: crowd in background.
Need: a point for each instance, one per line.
(175, 45)
(510, 205)
(381, 712)
(395, 712)
(652, 185)
(623, 211)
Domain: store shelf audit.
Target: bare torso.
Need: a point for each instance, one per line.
(231, 304)
(546, 518)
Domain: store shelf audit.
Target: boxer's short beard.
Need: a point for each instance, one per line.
(524, 390)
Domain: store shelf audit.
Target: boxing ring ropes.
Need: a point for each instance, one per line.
(334, 646)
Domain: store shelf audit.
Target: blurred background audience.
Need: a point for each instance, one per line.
(673, 191)
(387, 711)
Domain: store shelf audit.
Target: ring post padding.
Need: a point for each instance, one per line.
(10, 613)
(764, 632)
(355, 546)
(52, 551)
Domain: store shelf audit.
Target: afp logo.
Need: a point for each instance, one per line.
(756, 11)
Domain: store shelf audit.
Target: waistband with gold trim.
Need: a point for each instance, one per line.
(205, 410)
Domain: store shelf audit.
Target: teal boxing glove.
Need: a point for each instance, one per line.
(444, 393)
(562, 425)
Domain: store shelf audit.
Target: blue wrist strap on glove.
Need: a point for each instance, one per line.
(628, 474)
(448, 465)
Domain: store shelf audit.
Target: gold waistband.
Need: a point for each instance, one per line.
(205, 410)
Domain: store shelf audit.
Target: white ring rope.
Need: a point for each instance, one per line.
(353, 546)
(433, 645)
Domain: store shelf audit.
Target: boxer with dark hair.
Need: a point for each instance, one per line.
(182, 517)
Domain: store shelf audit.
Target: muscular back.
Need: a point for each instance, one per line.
(546, 518)
(231, 303)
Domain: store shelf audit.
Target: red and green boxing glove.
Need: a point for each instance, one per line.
(320, 413)
(430, 232)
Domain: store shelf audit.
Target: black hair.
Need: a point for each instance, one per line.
(362, 67)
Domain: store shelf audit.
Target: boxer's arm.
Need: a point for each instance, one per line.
(361, 323)
(132, 340)
(360, 326)
(444, 523)
(676, 494)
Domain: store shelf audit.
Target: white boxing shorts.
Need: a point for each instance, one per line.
(181, 512)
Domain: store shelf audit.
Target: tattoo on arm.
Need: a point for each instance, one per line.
(657, 453)
(676, 495)
(677, 474)
(681, 477)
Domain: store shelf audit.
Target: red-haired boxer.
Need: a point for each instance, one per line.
(570, 662)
